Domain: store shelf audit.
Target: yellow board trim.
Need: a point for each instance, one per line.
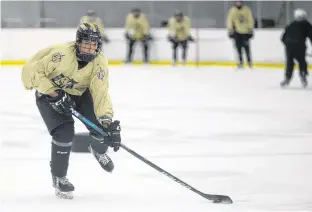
(169, 63)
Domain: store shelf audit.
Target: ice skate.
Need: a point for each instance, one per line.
(304, 81)
(250, 65)
(285, 83)
(63, 188)
(239, 67)
(103, 159)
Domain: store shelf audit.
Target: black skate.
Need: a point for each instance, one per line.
(239, 66)
(63, 188)
(103, 159)
(304, 81)
(285, 83)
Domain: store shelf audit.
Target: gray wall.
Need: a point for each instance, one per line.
(67, 14)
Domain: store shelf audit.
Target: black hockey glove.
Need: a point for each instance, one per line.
(250, 34)
(113, 130)
(231, 34)
(190, 38)
(172, 39)
(128, 36)
(62, 103)
(147, 37)
(105, 39)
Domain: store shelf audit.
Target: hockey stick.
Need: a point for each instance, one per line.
(215, 198)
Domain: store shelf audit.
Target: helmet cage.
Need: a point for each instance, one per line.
(87, 35)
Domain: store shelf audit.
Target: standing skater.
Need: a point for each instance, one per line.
(240, 24)
(294, 39)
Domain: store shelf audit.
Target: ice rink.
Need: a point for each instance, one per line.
(221, 131)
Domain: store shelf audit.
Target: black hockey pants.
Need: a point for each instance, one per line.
(61, 128)
(131, 44)
(184, 45)
(242, 42)
(297, 53)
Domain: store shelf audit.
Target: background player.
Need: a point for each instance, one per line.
(294, 39)
(137, 29)
(92, 18)
(73, 75)
(179, 34)
(240, 24)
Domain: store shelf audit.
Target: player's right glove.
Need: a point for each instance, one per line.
(62, 103)
(190, 38)
(172, 39)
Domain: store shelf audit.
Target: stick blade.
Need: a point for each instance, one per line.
(222, 199)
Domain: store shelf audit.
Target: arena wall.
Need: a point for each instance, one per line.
(212, 46)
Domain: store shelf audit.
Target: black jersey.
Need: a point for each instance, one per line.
(297, 32)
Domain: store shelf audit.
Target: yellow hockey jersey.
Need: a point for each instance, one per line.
(240, 20)
(179, 30)
(137, 27)
(56, 67)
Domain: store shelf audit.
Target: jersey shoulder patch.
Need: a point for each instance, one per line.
(100, 74)
(57, 57)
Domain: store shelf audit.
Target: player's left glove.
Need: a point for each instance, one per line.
(147, 37)
(250, 34)
(190, 38)
(113, 131)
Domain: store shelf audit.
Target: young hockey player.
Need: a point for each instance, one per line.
(73, 75)
(137, 29)
(179, 34)
(240, 24)
(92, 18)
(294, 39)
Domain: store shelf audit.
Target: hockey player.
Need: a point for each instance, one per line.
(73, 75)
(294, 39)
(240, 24)
(92, 18)
(137, 29)
(179, 34)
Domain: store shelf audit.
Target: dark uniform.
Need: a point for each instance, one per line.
(294, 39)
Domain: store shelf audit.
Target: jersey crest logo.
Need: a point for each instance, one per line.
(64, 82)
(100, 74)
(57, 57)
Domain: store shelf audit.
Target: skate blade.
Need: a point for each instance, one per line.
(64, 195)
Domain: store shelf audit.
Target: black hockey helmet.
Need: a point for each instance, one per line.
(88, 42)
(136, 12)
(178, 15)
(91, 13)
(239, 4)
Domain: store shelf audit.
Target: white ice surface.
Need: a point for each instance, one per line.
(224, 132)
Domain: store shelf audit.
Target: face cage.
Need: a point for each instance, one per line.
(85, 56)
